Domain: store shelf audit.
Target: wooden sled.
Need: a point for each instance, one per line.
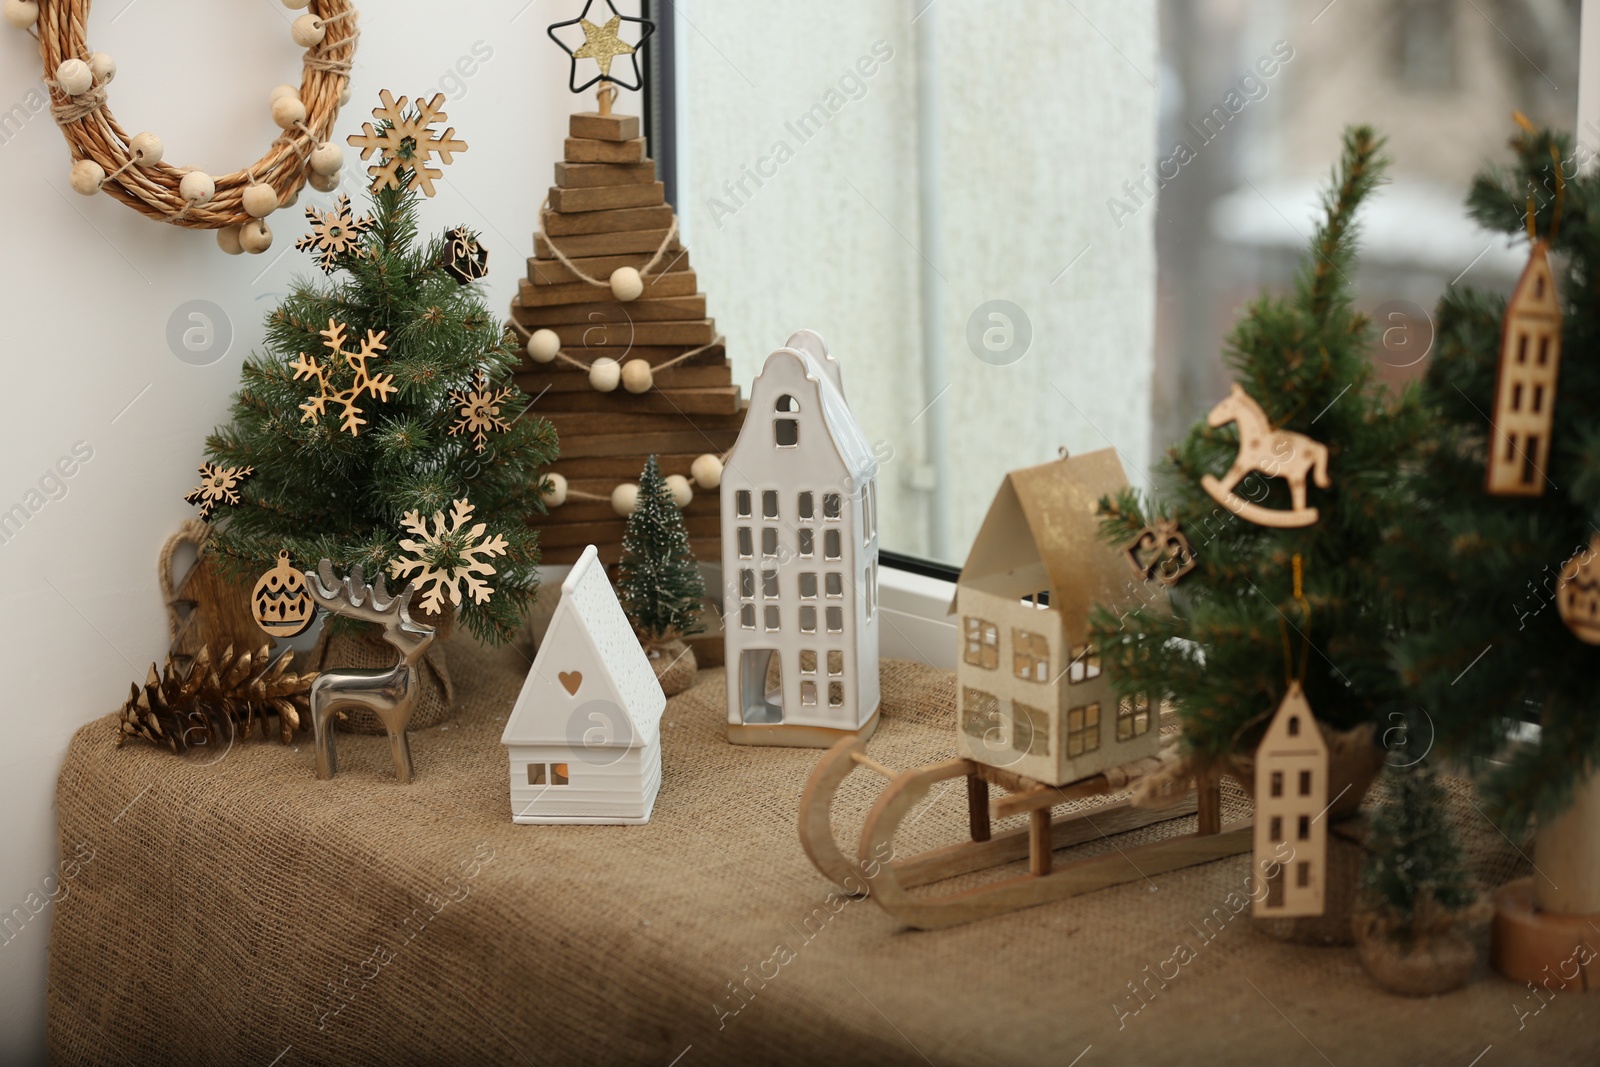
(880, 873)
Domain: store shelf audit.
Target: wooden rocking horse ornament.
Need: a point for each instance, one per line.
(1275, 454)
(391, 693)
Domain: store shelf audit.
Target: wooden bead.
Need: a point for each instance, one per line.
(344, 94)
(543, 345)
(636, 376)
(556, 494)
(103, 67)
(147, 150)
(296, 5)
(324, 183)
(706, 471)
(87, 177)
(308, 31)
(682, 492)
(282, 91)
(624, 498)
(74, 77)
(22, 13)
(626, 284)
(327, 158)
(255, 237)
(604, 374)
(287, 111)
(228, 240)
(197, 187)
(260, 200)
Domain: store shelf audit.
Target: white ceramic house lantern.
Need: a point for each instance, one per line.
(584, 737)
(800, 559)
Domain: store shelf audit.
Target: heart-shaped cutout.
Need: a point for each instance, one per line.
(570, 680)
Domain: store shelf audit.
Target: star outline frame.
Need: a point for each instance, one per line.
(572, 77)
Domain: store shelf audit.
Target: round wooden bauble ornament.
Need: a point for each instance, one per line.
(228, 240)
(324, 183)
(626, 284)
(636, 376)
(87, 177)
(22, 13)
(706, 471)
(260, 200)
(327, 158)
(281, 603)
(103, 67)
(255, 237)
(624, 498)
(682, 492)
(308, 31)
(74, 77)
(556, 494)
(288, 112)
(543, 345)
(147, 150)
(604, 374)
(197, 187)
(1578, 593)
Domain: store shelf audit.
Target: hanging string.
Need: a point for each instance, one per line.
(667, 365)
(1561, 183)
(561, 257)
(1291, 677)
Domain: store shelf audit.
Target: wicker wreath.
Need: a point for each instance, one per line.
(131, 169)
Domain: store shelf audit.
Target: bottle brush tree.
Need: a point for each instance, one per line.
(1415, 881)
(658, 580)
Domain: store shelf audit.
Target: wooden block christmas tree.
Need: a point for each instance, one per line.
(621, 353)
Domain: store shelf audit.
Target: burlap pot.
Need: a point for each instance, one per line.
(674, 664)
(1427, 966)
(363, 646)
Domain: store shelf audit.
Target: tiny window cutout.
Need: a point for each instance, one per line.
(830, 505)
(1302, 874)
(1522, 348)
(1275, 889)
(831, 545)
(1511, 446)
(769, 583)
(982, 642)
(772, 618)
(769, 541)
(746, 543)
(835, 662)
(1544, 350)
(1277, 783)
(808, 542)
(558, 774)
(1083, 730)
(836, 620)
(1030, 656)
(808, 693)
(1085, 665)
(980, 712)
(769, 503)
(808, 618)
(787, 405)
(747, 617)
(872, 588)
(1030, 730)
(835, 584)
(1516, 396)
(1294, 726)
(1276, 829)
(742, 503)
(536, 774)
(1304, 828)
(807, 506)
(808, 585)
(835, 694)
(1133, 717)
(786, 432)
(1305, 783)
(1538, 399)
(1530, 464)
(808, 661)
(872, 509)
(747, 582)
(1538, 286)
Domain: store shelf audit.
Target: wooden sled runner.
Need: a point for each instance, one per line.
(887, 879)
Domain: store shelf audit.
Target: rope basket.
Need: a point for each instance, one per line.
(132, 167)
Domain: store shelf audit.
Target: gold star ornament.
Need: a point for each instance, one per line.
(601, 44)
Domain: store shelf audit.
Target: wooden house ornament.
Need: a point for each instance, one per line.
(1032, 697)
(1291, 834)
(800, 559)
(584, 737)
(1525, 389)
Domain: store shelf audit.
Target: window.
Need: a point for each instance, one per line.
(808, 693)
(831, 545)
(1294, 726)
(808, 545)
(1133, 717)
(1030, 656)
(835, 662)
(872, 588)
(1275, 830)
(980, 712)
(548, 774)
(807, 506)
(1030, 730)
(746, 544)
(835, 694)
(808, 618)
(1305, 828)
(835, 620)
(808, 585)
(808, 661)
(1305, 783)
(870, 508)
(769, 583)
(830, 505)
(769, 504)
(982, 644)
(835, 584)
(1085, 664)
(1302, 874)
(747, 583)
(558, 774)
(747, 616)
(536, 773)
(742, 503)
(786, 432)
(1083, 730)
(1277, 783)
(769, 541)
(772, 618)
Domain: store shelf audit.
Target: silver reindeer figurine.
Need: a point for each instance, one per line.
(388, 693)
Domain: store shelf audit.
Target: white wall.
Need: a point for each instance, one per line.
(88, 289)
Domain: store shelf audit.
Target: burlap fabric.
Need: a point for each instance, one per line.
(243, 912)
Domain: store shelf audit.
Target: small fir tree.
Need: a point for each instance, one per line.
(658, 580)
(1220, 653)
(1415, 878)
(322, 491)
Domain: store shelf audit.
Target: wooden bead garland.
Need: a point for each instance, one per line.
(704, 473)
(131, 168)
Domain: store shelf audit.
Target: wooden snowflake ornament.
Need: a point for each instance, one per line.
(333, 234)
(479, 411)
(404, 139)
(218, 485)
(445, 557)
(362, 380)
